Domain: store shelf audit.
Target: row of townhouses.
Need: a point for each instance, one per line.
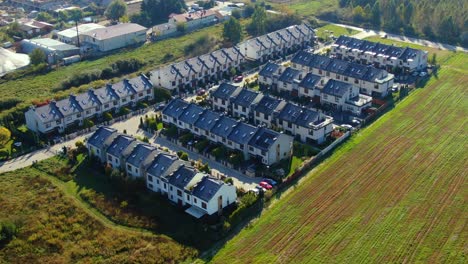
(164, 173)
(57, 115)
(303, 123)
(339, 95)
(380, 55)
(195, 71)
(370, 80)
(260, 143)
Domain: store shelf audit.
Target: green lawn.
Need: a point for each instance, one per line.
(306, 8)
(335, 31)
(395, 192)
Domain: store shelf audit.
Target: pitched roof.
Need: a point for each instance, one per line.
(245, 98)
(264, 138)
(49, 112)
(310, 81)
(99, 137)
(163, 165)
(302, 58)
(88, 100)
(267, 105)
(290, 113)
(181, 177)
(308, 117)
(224, 91)
(207, 120)
(336, 88)
(69, 106)
(119, 145)
(337, 66)
(224, 126)
(175, 108)
(191, 114)
(289, 75)
(319, 61)
(140, 153)
(242, 133)
(269, 70)
(207, 188)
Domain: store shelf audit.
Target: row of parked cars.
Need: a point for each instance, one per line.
(265, 184)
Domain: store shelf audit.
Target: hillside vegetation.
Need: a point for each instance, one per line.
(396, 192)
(55, 228)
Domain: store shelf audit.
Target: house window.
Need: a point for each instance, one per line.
(337, 99)
(251, 148)
(188, 197)
(170, 188)
(257, 114)
(140, 94)
(157, 181)
(148, 91)
(325, 96)
(150, 185)
(289, 125)
(244, 109)
(356, 81)
(328, 74)
(87, 112)
(203, 205)
(58, 122)
(47, 125)
(195, 200)
(165, 186)
(129, 167)
(124, 100)
(106, 106)
(69, 118)
(109, 157)
(306, 91)
(376, 86)
(79, 114)
(179, 193)
(115, 103)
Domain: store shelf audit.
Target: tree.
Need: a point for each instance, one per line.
(258, 25)
(5, 135)
(37, 56)
(232, 31)
(158, 10)
(116, 10)
(44, 16)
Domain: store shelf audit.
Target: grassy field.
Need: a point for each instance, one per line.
(337, 31)
(396, 192)
(306, 8)
(55, 227)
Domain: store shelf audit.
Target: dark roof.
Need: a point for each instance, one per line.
(267, 105)
(290, 113)
(373, 73)
(119, 145)
(337, 66)
(319, 62)
(245, 97)
(182, 176)
(88, 100)
(49, 112)
(355, 70)
(224, 91)
(289, 75)
(310, 81)
(206, 188)
(224, 126)
(409, 53)
(393, 51)
(207, 120)
(175, 108)
(336, 88)
(302, 58)
(163, 164)
(191, 114)
(308, 117)
(141, 83)
(140, 153)
(242, 133)
(69, 106)
(100, 136)
(269, 69)
(264, 138)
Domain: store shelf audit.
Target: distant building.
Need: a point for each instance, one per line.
(70, 35)
(195, 19)
(54, 49)
(33, 27)
(114, 37)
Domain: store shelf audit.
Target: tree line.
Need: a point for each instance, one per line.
(442, 20)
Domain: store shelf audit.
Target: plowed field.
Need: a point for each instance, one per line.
(395, 193)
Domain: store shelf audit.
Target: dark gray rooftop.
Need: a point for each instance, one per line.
(310, 81)
(191, 114)
(290, 113)
(224, 91)
(224, 126)
(308, 117)
(337, 66)
(119, 145)
(98, 138)
(289, 75)
(242, 133)
(140, 153)
(264, 138)
(207, 120)
(141, 83)
(175, 108)
(319, 62)
(245, 98)
(267, 105)
(336, 88)
(269, 70)
(181, 177)
(207, 188)
(302, 58)
(163, 164)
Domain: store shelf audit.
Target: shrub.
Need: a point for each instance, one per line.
(107, 116)
(8, 231)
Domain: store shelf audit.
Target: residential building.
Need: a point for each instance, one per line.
(181, 182)
(268, 76)
(370, 80)
(114, 37)
(379, 55)
(222, 96)
(266, 109)
(270, 146)
(57, 115)
(344, 96)
(210, 196)
(139, 160)
(239, 137)
(288, 81)
(287, 117)
(241, 105)
(173, 111)
(313, 126)
(195, 19)
(190, 115)
(220, 132)
(98, 143)
(205, 123)
(70, 35)
(119, 150)
(163, 165)
(308, 87)
(32, 27)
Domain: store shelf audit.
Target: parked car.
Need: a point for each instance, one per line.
(355, 122)
(238, 79)
(159, 107)
(347, 127)
(423, 74)
(265, 185)
(270, 181)
(201, 92)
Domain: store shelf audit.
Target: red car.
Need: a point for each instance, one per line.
(265, 185)
(238, 78)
